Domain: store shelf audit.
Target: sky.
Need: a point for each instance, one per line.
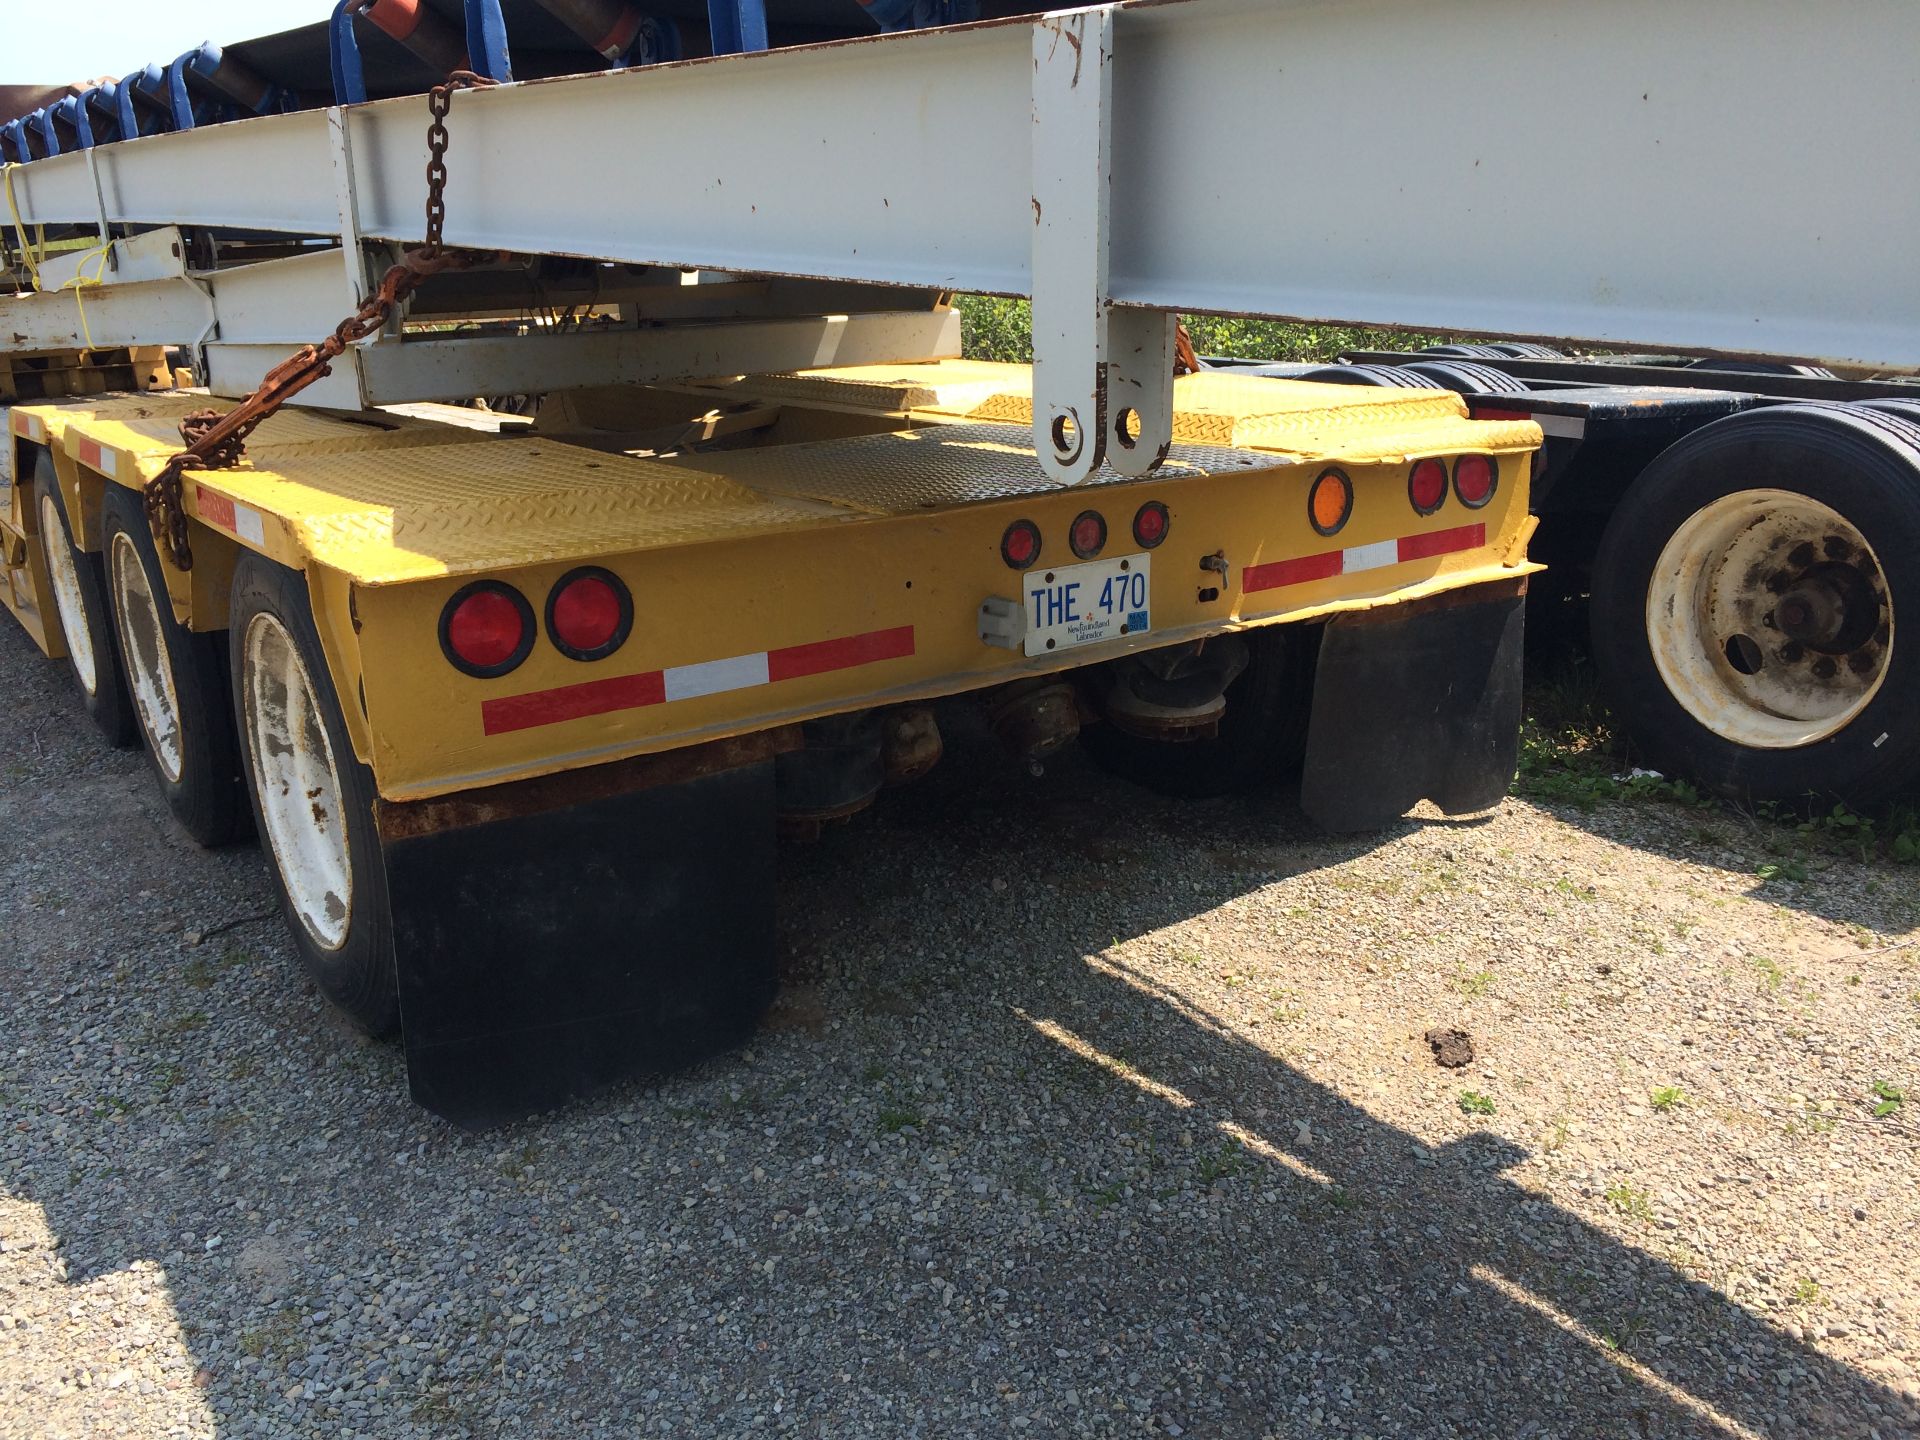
(55, 42)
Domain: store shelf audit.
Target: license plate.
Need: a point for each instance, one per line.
(1074, 605)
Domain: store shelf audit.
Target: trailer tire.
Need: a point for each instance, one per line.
(1262, 737)
(80, 603)
(1392, 377)
(1468, 377)
(177, 681)
(312, 798)
(1809, 505)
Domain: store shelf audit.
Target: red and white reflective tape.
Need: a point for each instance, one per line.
(1331, 563)
(687, 682)
(230, 515)
(29, 427)
(89, 454)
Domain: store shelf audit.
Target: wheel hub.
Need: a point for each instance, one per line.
(1832, 608)
(1769, 619)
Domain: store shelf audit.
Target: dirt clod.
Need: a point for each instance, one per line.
(1451, 1048)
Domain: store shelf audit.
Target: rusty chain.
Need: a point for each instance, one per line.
(1185, 361)
(217, 440)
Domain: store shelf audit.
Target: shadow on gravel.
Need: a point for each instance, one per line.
(974, 1219)
(1823, 881)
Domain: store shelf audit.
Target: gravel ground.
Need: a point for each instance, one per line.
(1082, 1113)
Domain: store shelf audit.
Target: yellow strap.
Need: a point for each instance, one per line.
(20, 229)
(81, 280)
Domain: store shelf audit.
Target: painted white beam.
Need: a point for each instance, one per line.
(1694, 174)
(393, 372)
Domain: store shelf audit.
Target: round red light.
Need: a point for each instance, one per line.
(589, 614)
(1020, 546)
(1150, 526)
(487, 629)
(1427, 486)
(1473, 479)
(1088, 535)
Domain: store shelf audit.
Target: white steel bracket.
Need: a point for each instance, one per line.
(1102, 378)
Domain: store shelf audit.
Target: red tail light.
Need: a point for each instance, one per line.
(1089, 534)
(1020, 546)
(486, 629)
(1427, 486)
(1474, 479)
(589, 613)
(1151, 525)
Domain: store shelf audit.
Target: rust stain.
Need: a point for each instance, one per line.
(410, 819)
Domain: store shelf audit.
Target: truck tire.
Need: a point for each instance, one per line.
(1468, 377)
(312, 799)
(177, 681)
(1262, 737)
(80, 600)
(1394, 377)
(1744, 606)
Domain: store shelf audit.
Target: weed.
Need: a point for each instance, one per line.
(874, 1073)
(1888, 1098)
(178, 1025)
(1221, 1164)
(1472, 1102)
(1669, 1097)
(893, 1121)
(200, 973)
(276, 1339)
(1620, 1337)
(1474, 985)
(170, 1076)
(1769, 970)
(244, 1067)
(1789, 868)
(514, 1164)
(1629, 1201)
(1107, 1196)
(1806, 1291)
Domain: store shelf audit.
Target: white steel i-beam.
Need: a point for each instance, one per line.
(1688, 174)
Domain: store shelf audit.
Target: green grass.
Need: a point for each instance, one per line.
(1474, 985)
(1472, 1102)
(893, 1121)
(1668, 1097)
(1629, 1201)
(1888, 1098)
(995, 329)
(1572, 753)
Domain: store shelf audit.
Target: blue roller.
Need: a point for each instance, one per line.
(487, 51)
(13, 142)
(349, 82)
(143, 103)
(71, 113)
(737, 25)
(40, 127)
(920, 14)
(103, 110)
(487, 41)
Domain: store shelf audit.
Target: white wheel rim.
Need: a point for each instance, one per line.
(149, 667)
(1770, 619)
(67, 599)
(298, 785)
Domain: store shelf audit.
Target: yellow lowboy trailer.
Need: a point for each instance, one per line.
(518, 705)
(520, 713)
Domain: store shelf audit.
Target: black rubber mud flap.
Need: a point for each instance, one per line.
(1416, 702)
(549, 948)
